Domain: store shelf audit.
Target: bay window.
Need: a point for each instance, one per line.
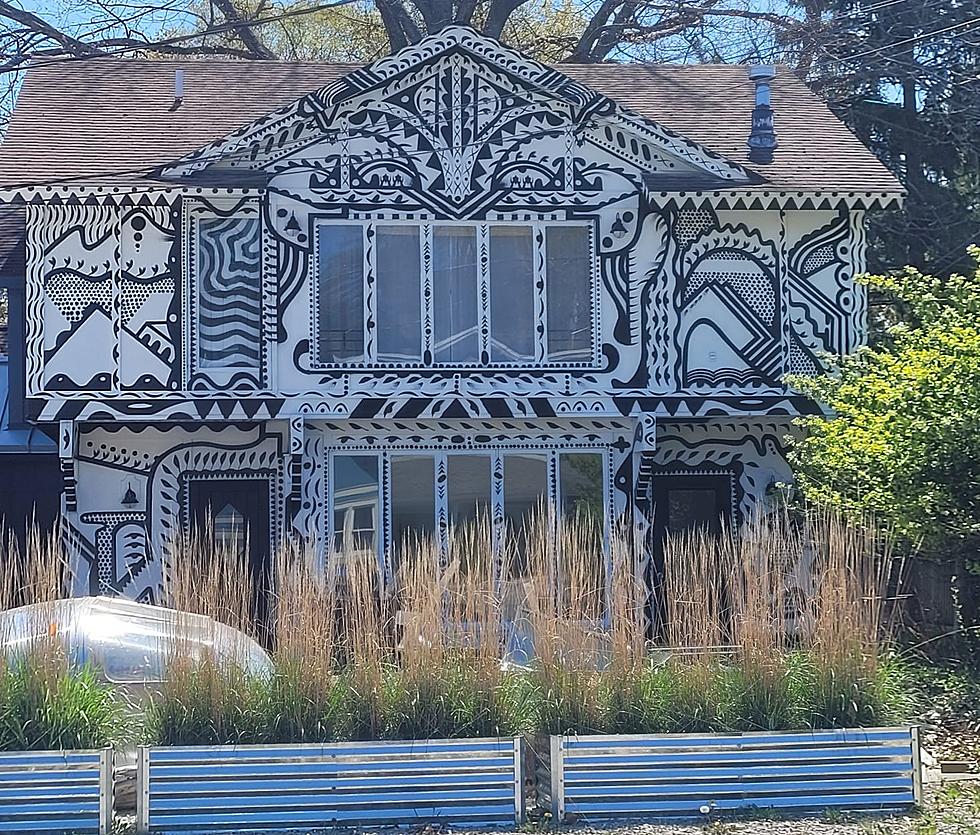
(455, 294)
(382, 503)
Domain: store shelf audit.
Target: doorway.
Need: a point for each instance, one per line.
(683, 503)
(234, 512)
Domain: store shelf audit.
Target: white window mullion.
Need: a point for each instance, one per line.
(370, 294)
(442, 506)
(483, 289)
(498, 533)
(328, 490)
(540, 297)
(425, 242)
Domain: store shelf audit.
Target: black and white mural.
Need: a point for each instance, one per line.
(460, 268)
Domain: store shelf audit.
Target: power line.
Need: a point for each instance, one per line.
(221, 28)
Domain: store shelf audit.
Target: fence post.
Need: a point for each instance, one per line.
(519, 800)
(142, 790)
(105, 791)
(557, 780)
(916, 766)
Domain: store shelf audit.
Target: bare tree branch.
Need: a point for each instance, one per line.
(245, 33)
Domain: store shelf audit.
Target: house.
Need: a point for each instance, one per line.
(353, 301)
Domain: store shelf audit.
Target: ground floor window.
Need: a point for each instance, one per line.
(382, 502)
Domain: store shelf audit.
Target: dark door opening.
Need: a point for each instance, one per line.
(235, 512)
(682, 503)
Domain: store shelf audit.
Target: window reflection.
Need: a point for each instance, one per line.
(569, 278)
(454, 286)
(399, 308)
(356, 504)
(525, 501)
(230, 530)
(511, 294)
(341, 278)
(413, 503)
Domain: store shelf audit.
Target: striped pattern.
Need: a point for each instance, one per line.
(229, 315)
(682, 775)
(56, 791)
(469, 782)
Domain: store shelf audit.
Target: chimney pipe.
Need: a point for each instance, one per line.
(178, 88)
(762, 139)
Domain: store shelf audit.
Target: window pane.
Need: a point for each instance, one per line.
(355, 504)
(525, 498)
(413, 501)
(399, 301)
(341, 302)
(229, 292)
(469, 487)
(688, 509)
(569, 291)
(511, 293)
(230, 530)
(455, 296)
(581, 480)
(580, 538)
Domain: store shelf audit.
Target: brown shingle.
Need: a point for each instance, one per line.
(111, 120)
(12, 234)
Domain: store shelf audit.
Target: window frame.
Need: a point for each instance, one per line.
(428, 302)
(498, 462)
(193, 369)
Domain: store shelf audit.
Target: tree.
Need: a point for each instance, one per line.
(362, 30)
(905, 77)
(903, 74)
(903, 437)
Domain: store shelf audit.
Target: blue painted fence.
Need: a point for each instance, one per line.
(693, 775)
(467, 782)
(56, 791)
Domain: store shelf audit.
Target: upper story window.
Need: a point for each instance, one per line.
(455, 294)
(229, 292)
(223, 298)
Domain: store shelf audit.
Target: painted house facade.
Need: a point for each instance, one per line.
(349, 302)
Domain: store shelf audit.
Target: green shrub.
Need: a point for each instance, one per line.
(452, 701)
(298, 712)
(46, 706)
(205, 703)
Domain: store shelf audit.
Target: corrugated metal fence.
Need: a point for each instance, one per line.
(465, 782)
(56, 791)
(689, 775)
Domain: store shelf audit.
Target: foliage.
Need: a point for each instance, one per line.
(903, 76)
(208, 703)
(426, 663)
(903, 437)
(46, 706)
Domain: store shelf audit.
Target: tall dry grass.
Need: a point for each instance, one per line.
(209, 695)
(778, 627)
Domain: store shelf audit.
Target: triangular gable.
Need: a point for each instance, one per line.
(287, 131)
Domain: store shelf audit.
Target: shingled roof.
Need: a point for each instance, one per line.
(112, 120)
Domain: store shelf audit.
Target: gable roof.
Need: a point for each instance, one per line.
(112, 120)
(285, 132)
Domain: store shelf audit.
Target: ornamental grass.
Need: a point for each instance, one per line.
(547, 629)
(46, 701)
